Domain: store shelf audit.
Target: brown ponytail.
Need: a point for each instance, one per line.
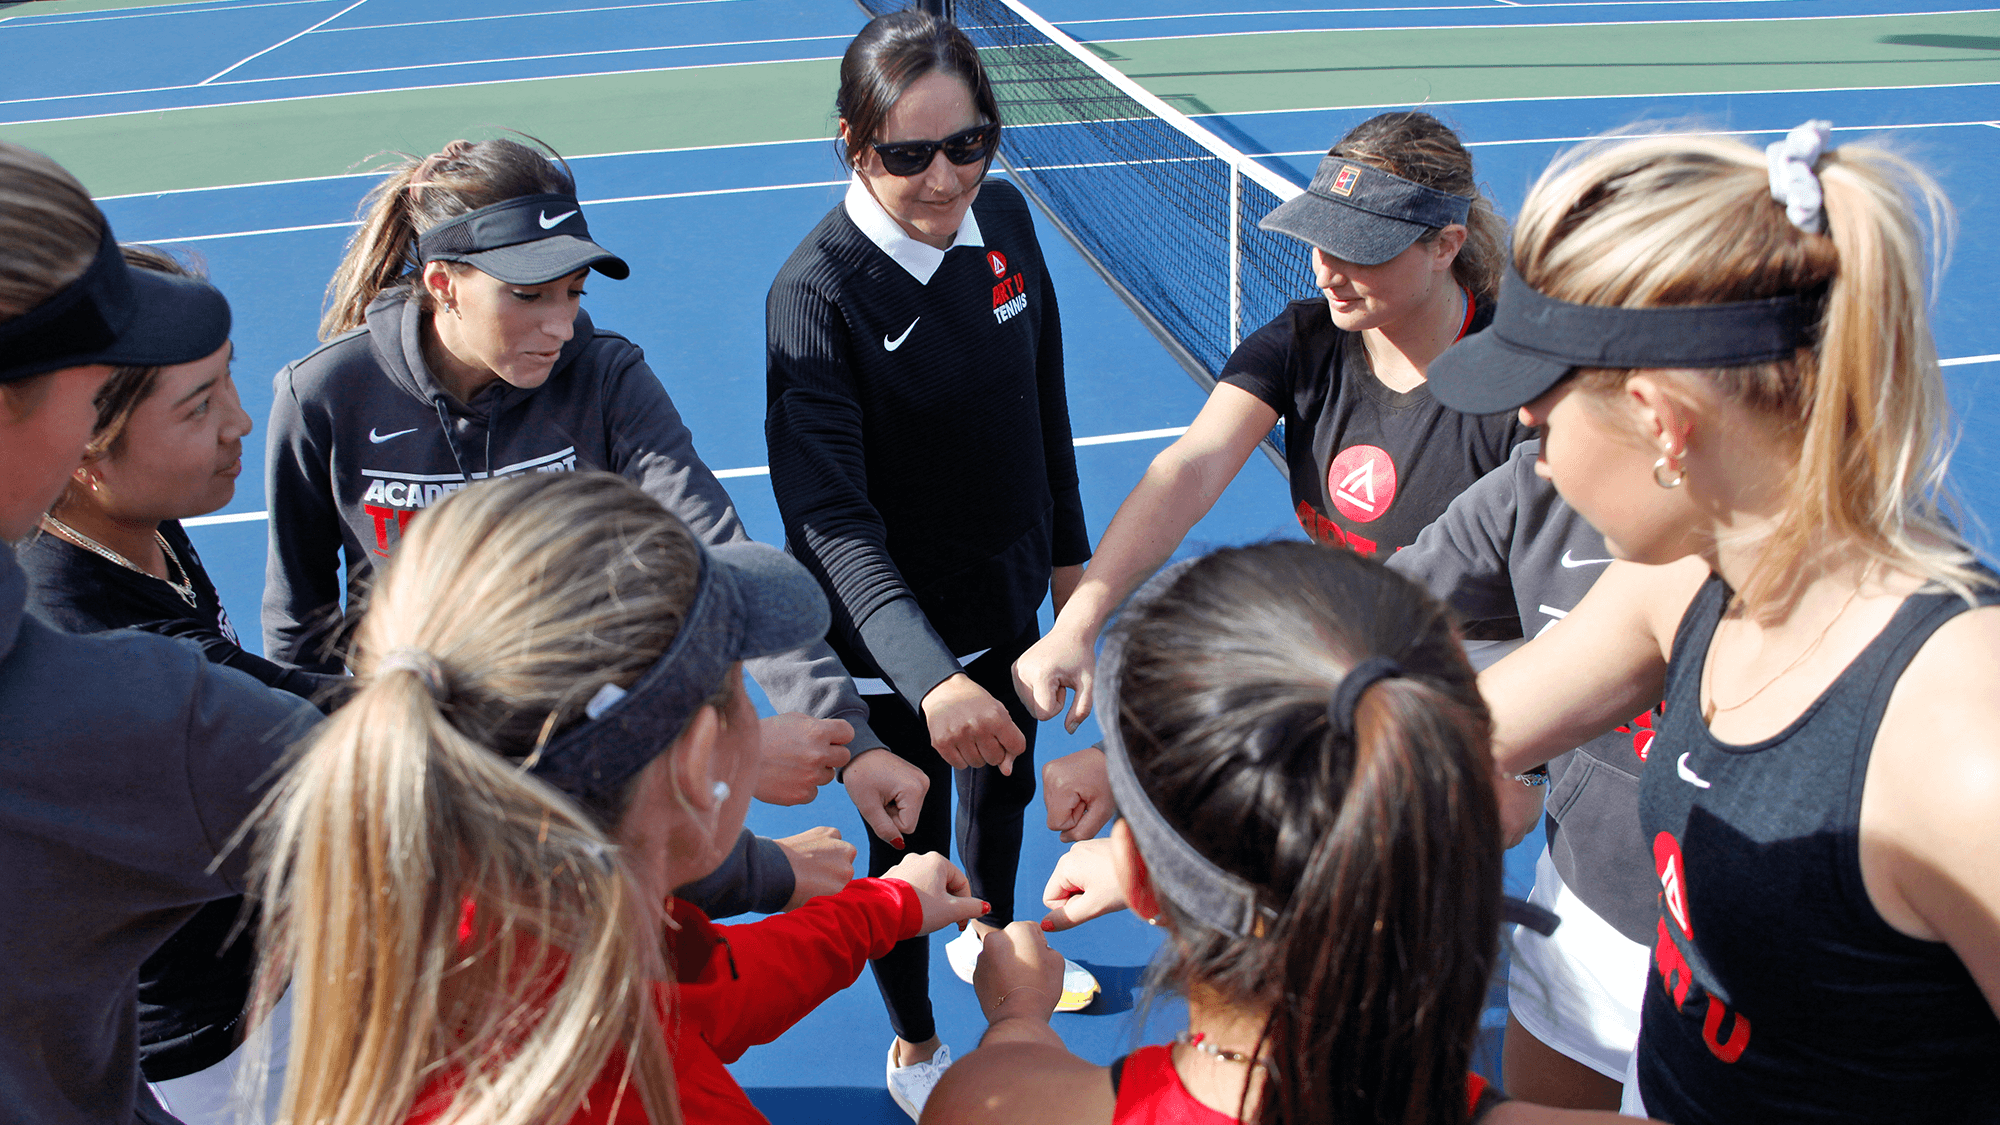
(420, 193)
(1378, 853)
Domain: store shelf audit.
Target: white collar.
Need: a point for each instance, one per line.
(921, 259)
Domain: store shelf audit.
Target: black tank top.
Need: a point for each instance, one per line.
(1777, 991)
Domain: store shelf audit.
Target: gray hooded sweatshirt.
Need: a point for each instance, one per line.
(129, 761)
(1509, 547)
(362, 437)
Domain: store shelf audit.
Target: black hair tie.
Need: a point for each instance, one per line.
(1346, 697)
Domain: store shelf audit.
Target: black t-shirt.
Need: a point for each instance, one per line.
(1370, 467)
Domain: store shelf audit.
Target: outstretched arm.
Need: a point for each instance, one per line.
(1179, 488)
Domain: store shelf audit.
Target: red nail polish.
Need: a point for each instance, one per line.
(1048, 926)
(896, 843)
(986, 907)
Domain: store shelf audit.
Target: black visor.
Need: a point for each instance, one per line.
(114, 314)
(1535, 340)
(529, 240)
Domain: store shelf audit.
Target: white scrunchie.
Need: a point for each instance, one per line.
(1792, 180)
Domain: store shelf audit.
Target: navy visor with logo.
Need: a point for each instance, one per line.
(1535, 340)
(528, 240)
(1361, 214)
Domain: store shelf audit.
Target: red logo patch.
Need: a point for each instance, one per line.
(998, 262)
(1362, 482)
(1673, 878)
(1343, 184)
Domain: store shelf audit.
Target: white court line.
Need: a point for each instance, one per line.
(385, 171)
(733, 474)
(1580, 23)
(1408, 8)
(282, 42)
(390, 90)
(176, 10)
(1602, 97)
(1967, 360)
(523, 15)
(585, 202)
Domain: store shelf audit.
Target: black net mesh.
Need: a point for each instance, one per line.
(1142, 197)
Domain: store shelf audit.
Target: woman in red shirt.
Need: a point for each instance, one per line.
(1299, 754)
(468, 870)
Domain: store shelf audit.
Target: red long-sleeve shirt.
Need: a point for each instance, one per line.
(740, 986)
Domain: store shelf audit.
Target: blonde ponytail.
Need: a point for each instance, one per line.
(446, 919)
(1689, 220)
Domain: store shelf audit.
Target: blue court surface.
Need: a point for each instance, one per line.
(700, 133)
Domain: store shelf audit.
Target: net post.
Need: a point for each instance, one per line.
(1235, 253)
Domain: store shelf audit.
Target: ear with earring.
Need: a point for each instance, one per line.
(1668, 472)
(720, 791)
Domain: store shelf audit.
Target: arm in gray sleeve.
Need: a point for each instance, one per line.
(237, 731)
(302, 572)
(1462, 557)
(755, 879)
(652, 447)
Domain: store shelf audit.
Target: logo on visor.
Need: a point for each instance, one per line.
(1343, 184)
(551, 224)
(998, 263)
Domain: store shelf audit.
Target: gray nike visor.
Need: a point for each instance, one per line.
(528, 240)
(1361, 214)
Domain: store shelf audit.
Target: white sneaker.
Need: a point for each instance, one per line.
(911, 1085)
(1079, 986)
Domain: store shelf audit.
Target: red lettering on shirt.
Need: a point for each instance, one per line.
(1331, 534)
(1673, 878)
(383, 517)
(1739, 1033)
(1675, 973)
(1362, 482)
(1008, 290)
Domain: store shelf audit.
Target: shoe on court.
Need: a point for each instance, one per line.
(911, 1085)
(1079, 987)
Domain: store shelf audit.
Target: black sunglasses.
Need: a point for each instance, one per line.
(967, 146)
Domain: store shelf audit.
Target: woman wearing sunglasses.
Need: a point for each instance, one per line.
(920, 452)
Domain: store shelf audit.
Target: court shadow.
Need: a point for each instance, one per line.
(1963, 42)
(1118, 987)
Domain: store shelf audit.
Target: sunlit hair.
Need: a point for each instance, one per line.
(887, 57)
(49, 229)
(1689, 220)
(420, 193)
(1421, 149)
(439, 912)
(1379, 853)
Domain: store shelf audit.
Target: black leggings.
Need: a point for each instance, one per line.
(990, 807)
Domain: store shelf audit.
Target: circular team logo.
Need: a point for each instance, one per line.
(1362, 482)
(998, 262)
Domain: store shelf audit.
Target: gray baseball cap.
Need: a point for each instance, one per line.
(1361, 214)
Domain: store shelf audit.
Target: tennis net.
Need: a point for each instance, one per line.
(1162, 207)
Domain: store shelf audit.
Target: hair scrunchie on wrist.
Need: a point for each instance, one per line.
(422, 664)
(1346, 697)
(1793, 181)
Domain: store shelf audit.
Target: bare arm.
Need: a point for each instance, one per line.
(1929, 833)
(1594, 669)
(1179, 488)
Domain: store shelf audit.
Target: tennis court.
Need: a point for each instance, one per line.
(700, 133)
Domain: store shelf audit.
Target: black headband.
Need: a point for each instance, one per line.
(1535, 340)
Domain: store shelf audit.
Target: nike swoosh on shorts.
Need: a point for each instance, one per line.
(889, 345)
(378, 439)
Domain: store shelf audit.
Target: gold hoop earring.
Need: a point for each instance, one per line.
(1680, 474)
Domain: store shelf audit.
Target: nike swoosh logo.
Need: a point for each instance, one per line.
(378, 439)
(1574, 563)
(550, 224)
(1688, 775)
(889, 345)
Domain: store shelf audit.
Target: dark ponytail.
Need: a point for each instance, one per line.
(1379, 853)
(418, 195)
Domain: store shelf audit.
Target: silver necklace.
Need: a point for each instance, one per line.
(1199, 1041)
(185, 587)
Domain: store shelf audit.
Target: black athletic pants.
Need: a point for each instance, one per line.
(990, 807)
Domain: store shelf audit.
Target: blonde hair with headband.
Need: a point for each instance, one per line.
(443, 916)
(1679, 220)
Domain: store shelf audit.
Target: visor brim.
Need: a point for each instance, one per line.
(1481, 374)
(543, 260)
(1347, 233)
(783, 605)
